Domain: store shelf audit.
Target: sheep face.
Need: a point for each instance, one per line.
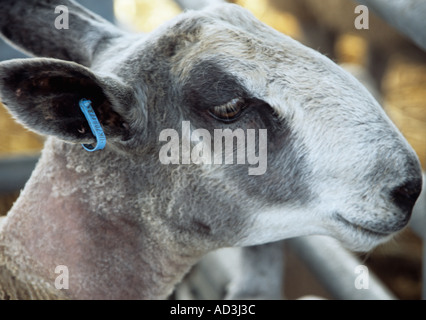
(336, 165)
(333, 163)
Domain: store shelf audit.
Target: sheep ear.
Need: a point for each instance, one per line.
(56, 29)
(44, 94)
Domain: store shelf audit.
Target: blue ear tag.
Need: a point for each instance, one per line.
(95, 126)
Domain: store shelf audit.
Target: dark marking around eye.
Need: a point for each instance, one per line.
(209, 86)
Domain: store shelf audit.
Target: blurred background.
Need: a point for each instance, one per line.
(390, 65)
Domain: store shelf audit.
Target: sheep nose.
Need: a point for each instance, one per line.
(405, 196)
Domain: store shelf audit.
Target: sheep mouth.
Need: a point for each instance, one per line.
(360, 229)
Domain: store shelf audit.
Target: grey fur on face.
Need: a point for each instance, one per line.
(336, 165)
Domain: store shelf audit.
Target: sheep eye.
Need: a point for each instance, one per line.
(230, 111)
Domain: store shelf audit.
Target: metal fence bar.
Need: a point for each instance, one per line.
(15, 171)
(335, 267)
(418, 225)
(236, 274)
(406, 16)
(104, 8)
(196, 4)
(424, 271)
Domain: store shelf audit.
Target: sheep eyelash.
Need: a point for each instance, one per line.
(230, 111)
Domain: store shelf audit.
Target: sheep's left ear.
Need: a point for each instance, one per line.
(43, 94)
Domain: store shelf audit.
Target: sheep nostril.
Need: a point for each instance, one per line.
(405, 196)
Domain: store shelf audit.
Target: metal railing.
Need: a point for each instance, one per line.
(418, 225)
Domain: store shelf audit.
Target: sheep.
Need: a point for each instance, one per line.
(126, 226)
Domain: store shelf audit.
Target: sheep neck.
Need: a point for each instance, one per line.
(111, 245)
